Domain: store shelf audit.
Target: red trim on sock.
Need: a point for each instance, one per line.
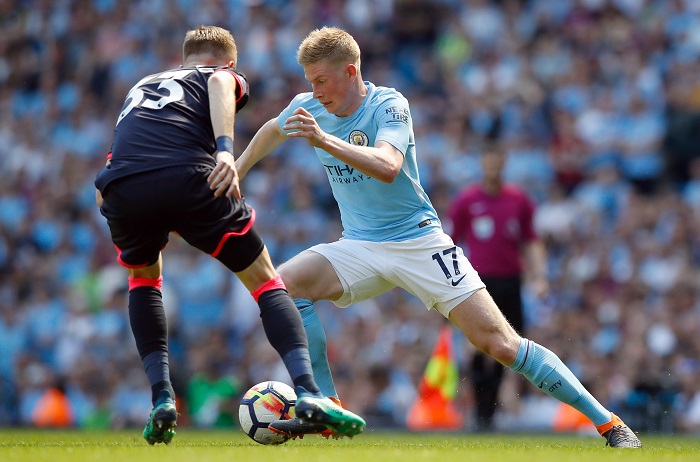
(135, 283)
(272, 284)
(227, 235)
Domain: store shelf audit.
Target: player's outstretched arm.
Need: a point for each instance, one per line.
(222, 109)
(265, 141)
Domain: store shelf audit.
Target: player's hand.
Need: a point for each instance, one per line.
(224, 178)
(303, 125)
(98, 198)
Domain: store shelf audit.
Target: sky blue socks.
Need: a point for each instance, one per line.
(317, 346)
(544, 369)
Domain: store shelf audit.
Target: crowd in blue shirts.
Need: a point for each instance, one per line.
(598, 104)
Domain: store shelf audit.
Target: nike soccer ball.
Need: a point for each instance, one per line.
(263, 403)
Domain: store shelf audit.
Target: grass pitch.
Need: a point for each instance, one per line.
(24, 445)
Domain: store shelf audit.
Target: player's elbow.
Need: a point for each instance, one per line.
(388, 174)
(390, 163)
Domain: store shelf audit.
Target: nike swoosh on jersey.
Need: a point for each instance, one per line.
(454, 283)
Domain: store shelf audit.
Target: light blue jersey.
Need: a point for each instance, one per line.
(371, 210)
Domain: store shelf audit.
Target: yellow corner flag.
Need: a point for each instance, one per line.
(434, 409)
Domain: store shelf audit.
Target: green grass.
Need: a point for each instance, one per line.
(216, 446)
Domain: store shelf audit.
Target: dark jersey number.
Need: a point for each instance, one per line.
(455, 264)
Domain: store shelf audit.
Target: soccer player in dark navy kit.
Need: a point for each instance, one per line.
(171, 169)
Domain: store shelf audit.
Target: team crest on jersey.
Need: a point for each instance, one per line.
(359, 138)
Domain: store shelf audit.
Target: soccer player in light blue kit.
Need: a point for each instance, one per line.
(363, 136)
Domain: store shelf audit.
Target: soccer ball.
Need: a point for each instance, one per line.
(262, 404)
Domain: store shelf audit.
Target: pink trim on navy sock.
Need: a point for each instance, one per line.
(272, 284)
(135, 283)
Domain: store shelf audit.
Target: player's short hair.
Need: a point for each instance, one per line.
(329, 44)
(211, 40)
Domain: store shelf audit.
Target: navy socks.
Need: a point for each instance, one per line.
(150, 329)
(285, 332)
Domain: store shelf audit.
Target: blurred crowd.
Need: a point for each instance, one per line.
(598, 103)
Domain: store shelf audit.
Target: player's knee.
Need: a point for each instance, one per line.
(152, 271)
(290, 282)
(500, 347)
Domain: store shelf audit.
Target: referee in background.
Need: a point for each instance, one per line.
(493, 221)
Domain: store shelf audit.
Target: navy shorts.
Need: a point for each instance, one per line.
(142, 210)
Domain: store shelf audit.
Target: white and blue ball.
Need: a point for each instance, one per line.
(262, 404)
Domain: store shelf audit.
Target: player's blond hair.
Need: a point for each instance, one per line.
(329, 44)
(211, 40)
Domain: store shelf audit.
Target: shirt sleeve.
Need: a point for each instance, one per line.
(242, 90)
(393, 119)
(287, 112)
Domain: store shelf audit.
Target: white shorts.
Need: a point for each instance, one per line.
(431, 267)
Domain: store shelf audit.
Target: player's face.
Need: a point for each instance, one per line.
(331, 86)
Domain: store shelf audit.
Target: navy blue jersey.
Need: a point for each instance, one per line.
(165, 122)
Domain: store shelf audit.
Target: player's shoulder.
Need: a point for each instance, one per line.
(212, 69)
(383, 91)
(386, 95)
(197, 73)
(303, 98)
(189, 70)
(387, 102)
(307, 101)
